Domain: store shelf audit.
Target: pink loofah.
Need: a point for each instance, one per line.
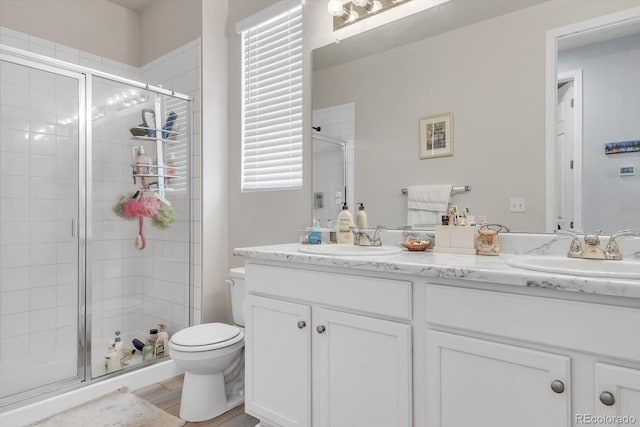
(133, 208)
(151, 206)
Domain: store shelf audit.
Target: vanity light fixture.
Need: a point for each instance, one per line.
(355, 10)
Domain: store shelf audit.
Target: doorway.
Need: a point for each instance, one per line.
(568, 151)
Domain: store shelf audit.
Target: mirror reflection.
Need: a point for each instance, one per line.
(597, 106)
(499, 139)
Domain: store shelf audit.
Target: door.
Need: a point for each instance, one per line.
(473, 382)
(278, 361)
(564, 156)
(362, 371)
(41, 284)
(617, 394)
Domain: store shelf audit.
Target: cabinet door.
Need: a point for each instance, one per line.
(362, 371)
(278, 361)
(473, 382)
(617, 395)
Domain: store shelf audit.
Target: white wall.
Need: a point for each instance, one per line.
(167, 25)
(611, 111)
(491, 76)
(215, 162)
(98, 27)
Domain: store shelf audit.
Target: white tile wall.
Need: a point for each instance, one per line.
(337, 121)
(131, 290)
(179, 70)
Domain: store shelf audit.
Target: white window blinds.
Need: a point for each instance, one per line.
(272, 103)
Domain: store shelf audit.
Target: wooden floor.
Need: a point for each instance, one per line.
(166, 395)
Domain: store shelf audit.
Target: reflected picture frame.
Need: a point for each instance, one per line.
(436, 135)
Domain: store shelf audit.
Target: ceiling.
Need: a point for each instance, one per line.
(134, 5)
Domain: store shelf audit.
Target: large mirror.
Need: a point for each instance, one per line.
(487, 67)
(592, 123)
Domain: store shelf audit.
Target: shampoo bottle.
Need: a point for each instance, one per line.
(345, 220)
(162, 344)
(119, 348)
(361, 217)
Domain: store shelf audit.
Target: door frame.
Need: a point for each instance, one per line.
(575, 76)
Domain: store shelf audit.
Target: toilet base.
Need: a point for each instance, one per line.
(203, 397)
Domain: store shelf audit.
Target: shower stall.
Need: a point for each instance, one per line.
(333, 176)
(95, 222)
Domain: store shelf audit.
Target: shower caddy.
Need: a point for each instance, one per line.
(162, 136)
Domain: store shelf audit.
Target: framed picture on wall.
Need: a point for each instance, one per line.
(436, 136)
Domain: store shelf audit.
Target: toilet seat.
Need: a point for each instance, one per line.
(206, 337)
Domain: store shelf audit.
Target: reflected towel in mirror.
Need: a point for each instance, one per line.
(426, 203)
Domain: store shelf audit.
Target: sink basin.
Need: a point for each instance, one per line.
(578, 267)
(348, 250)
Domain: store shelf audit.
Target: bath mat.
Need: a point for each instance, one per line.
(117, 409)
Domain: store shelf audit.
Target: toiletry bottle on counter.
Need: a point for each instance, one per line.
(162, 343)
(315, 237)
(361, 217)
(345, 220)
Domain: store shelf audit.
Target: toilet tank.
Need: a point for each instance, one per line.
(236, 289)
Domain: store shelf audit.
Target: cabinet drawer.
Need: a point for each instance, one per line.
(595, 328)
(384, 297)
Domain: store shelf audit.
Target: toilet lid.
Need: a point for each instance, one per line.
(205, 334)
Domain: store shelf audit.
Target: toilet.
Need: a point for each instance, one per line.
(210, 353)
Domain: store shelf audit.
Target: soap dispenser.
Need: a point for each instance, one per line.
(345, 220)
(361, 217)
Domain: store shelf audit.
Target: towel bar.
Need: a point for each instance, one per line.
(454, 190)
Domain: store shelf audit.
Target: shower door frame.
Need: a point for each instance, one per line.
(83, 224)
(78, 225)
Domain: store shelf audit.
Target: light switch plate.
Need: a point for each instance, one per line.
(517, 204)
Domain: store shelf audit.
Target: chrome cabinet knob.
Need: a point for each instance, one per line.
(321, 329)
(607, 398)
(301, 324)
(557, 386)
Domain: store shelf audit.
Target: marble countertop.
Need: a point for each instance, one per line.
(476, 268)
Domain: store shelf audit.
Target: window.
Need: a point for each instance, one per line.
(272, 99)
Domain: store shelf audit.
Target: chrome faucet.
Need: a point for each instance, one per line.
(592, 248)
(363, 238)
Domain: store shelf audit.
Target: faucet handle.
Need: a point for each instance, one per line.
(612, 251)
(575, 249)
(621, 233)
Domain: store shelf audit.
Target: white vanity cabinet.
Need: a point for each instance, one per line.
(327, 350)
(505, 359)
(278, 361)
(475, 382)
(617, 393)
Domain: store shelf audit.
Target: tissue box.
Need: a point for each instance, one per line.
(456, 239)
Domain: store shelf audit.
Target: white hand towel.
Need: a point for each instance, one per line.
(426, 203)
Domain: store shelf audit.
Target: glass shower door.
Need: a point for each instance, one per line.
(41, 290)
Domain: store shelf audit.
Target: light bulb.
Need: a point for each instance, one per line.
(361, 3)
(335, 8)
(376, 6)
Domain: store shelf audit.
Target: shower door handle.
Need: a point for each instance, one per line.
(74, 227)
